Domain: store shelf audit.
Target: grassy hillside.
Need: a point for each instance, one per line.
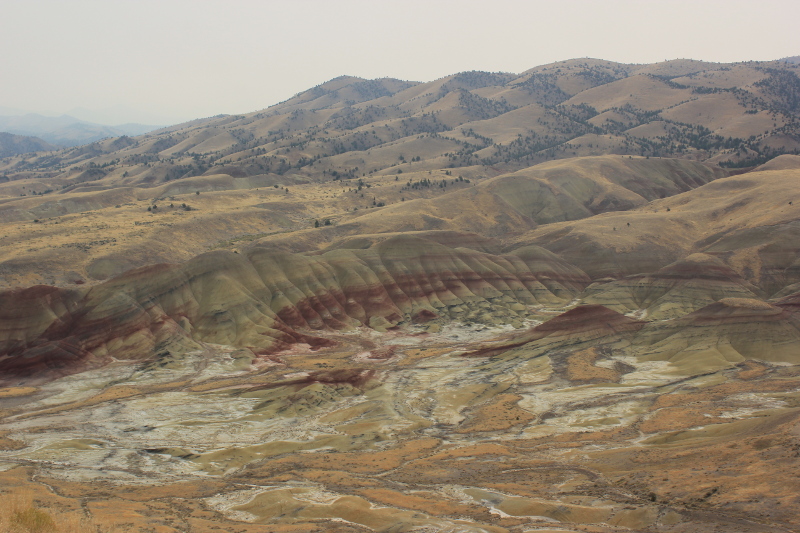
(734, 114)
(87, 232)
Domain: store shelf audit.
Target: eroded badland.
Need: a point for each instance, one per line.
(562, 300)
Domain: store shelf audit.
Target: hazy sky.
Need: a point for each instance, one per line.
(164, 61)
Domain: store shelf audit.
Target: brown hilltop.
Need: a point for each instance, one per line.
(579, 188)
(702, 110)
(749, 221)
(782, 162)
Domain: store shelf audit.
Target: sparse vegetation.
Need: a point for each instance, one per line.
(21, 513)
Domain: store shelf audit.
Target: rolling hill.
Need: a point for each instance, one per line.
(561, 300)
(11, 145)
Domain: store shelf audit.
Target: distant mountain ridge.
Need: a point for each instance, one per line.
(734, 115)
(65, 130)
(11, 144)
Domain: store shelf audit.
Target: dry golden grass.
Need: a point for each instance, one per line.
(10, 392)
(672, 228)
(642, 92)
(7, 444)
(22, 512)
(581, 367)
(92, 213)
(501, 413)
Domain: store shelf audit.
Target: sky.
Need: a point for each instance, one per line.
(168, 61)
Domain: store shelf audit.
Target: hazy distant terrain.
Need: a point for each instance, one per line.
(561, 300)
(19, 144)
(66, 130)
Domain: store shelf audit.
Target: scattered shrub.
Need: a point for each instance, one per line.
(33, 520)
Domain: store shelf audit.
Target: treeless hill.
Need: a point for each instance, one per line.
(726, 332)
(782, 162)
(646, 93)
(673, 291)
(749, 221)
(578, 188)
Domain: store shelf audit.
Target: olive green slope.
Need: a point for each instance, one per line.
(265, 301)
(673, 291)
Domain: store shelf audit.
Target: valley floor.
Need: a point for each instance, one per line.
(412, 429)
